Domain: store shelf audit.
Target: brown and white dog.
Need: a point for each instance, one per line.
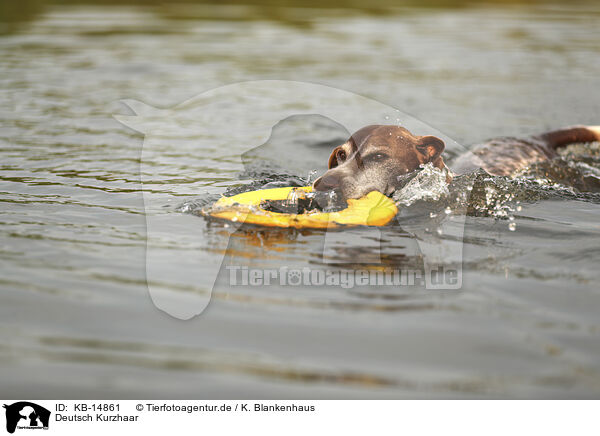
(375, 157)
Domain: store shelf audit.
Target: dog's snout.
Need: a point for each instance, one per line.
(326, 182)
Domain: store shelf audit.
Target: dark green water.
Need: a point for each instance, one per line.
(76, 319)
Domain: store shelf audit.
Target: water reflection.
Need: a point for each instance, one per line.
(14, 14)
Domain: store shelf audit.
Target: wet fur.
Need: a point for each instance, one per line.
(376, 156)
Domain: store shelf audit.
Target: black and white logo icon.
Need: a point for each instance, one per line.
(26, 415)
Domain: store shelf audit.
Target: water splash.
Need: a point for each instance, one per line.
(427, 184)
(311, 175)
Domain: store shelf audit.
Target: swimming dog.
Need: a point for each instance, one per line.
(376, 157)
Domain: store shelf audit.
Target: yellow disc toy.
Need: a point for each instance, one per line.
(374, 209)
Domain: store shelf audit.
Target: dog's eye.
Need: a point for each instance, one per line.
(340, 156)
(375, 157)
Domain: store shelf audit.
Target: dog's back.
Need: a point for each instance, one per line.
(505, 156)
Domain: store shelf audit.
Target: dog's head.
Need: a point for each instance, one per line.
(375, 158)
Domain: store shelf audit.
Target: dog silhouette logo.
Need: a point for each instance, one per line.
(241, 124)
(26, 415)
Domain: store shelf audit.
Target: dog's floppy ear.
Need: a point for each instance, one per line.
(338, 156)
(430, 147)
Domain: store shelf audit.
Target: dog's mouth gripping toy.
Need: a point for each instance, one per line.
(297, 208)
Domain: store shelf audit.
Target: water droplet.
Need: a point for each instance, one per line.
(311, 174)
(512, 227)
(448, 211)
(432, 214)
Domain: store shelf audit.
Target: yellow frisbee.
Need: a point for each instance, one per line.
(374, 209)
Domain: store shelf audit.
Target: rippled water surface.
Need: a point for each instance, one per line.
(76, 317)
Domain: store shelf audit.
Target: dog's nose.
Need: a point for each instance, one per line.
(326, 182)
